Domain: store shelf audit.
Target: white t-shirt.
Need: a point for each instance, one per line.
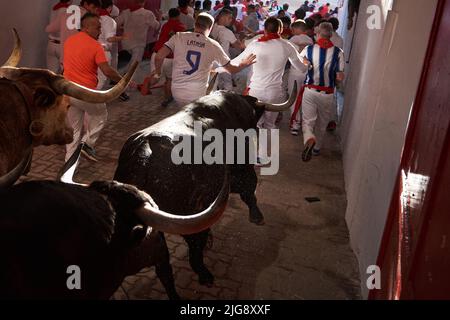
(109, 29)
(271, 59)
(194, 55)
(136, 24)
(188, 21)
(224, 36)
(300, 42)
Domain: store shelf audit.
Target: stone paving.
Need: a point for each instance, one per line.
(302, 252)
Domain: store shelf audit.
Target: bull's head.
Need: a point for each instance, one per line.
(49, 97)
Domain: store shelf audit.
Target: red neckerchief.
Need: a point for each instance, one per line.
(269, 36)
(325, 43)
(103, 12)
(184, 10)
(220, 5)
(60, 5)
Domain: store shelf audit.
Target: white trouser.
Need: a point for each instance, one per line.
(184, 96)
(96, 115)
(299, 77)
(53, 57)
(137, 54)
(268, 119)
(114, 56)
(317, 112)
(102, 79)
(225, 81)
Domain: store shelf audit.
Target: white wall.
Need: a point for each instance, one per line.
(383, 78)
(30, 19)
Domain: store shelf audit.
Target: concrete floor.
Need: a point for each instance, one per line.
(302, 252)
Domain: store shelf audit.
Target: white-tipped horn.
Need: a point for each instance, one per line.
(282, 106)
(185, 225)
(16, 54)
(71, 89)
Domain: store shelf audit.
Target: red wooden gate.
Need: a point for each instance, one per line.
(415, 251)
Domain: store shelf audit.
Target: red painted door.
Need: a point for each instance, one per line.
(415, 251)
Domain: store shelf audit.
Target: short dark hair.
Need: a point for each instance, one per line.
(86, 17)
(300, 14)
(174, 12)
(107, 4)
(334, 22)
(299, 24)
(286, 20)
(310, 23)
(286, 6)
(225, 12)
(204, 21)
(183, 3)
(273, 25)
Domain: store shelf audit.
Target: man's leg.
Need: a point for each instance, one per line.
(53, 63)
(309, 118)
(326, 112)
(75, 117)
(96, 122)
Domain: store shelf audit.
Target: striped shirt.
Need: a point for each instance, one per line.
(325, 64)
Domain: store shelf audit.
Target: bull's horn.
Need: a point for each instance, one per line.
(185, 225)
(283, 106)
(63, 86)
(68, 170)
(16, 54)
(11, 177)
(212, 82)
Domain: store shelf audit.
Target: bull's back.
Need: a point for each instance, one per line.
(146, 162)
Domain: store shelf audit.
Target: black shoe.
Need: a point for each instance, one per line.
(307, 153)
(89, 152)
(166, 102)
(124, 97)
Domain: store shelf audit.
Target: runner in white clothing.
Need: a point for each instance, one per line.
(227, 39)
(137, 21)
(54, 61)
(266, 82)
(301, 40)
(273, 53)
(194, 55)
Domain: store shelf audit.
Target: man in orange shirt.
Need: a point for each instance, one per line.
(83, 56)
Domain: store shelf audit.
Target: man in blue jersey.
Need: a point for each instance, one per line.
(317, 105)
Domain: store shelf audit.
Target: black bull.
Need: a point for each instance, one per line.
(146, 162)
(47, 227)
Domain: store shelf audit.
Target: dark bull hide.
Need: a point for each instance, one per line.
(146, 162)
(104, 229)
(33, 109)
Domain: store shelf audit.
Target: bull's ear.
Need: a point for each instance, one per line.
(251, 100)
(138, 233)
(44, 97)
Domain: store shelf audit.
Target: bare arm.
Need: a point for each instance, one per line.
(246, 62)
(159, 59)
(110, 72)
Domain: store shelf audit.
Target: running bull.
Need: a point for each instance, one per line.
(33, 109)
(104, 229)
(146, 162)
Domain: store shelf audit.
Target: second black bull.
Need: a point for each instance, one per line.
(146, 162)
